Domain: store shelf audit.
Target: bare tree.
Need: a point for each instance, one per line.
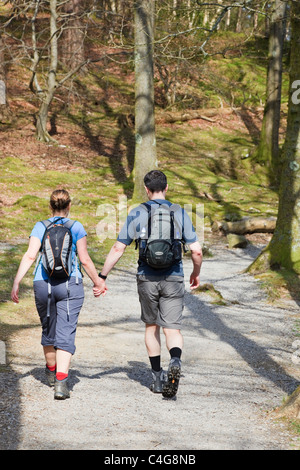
(145, 149)
(268, 148)
(46, 91)
(46, 95)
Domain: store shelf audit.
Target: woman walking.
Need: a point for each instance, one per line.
(58, 300)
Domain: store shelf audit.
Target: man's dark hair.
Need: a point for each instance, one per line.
(155, 181)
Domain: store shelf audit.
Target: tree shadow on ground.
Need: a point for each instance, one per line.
(10, 409)
(255, 355)
(247, 118)
(118, 144)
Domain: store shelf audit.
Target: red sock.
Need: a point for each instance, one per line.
(61, 376)
(52, 368)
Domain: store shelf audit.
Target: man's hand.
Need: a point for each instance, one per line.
(100, 288)
(197, 262)
(194, 281)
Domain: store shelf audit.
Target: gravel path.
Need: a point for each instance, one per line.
(236, 368)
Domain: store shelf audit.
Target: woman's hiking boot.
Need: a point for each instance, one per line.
(171, 385)
(50, 376)
(61, 389)
(158, 381)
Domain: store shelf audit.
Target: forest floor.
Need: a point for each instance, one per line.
(237, 369)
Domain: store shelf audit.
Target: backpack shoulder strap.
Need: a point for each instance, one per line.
(172, 226)
(69, 224)
(46, 224)
(176, 207)
(148, 207)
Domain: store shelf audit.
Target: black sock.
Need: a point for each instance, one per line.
(155, 363)
(175, 352)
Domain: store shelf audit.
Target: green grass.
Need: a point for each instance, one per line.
(211, 161)
(280, 284)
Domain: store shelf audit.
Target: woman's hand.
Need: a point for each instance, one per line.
(15, 293)
(26, 263)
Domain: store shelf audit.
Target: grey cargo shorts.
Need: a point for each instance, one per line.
(162, 300)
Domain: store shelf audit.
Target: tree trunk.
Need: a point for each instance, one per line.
(205, 17)
(255, 20)
(228, 18)
(213, 20)
(268, 148)
(238, 26)
(5, 112)
(210, 115)
(145, 148)
(41, 123)
(247, 225)
(42, 116)
(72, 40)
(284, 248)
(2, 76)
(174, 8)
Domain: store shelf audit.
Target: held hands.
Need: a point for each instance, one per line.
(100, 288)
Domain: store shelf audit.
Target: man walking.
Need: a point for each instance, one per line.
(160, 277)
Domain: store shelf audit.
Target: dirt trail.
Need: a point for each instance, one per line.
(236, 368)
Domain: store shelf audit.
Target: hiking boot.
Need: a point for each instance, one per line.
(171, 385)
(50, 376)
(158, 381)
(61, 390)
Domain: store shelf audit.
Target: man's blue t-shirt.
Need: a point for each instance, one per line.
(136, 224)
(77, 232)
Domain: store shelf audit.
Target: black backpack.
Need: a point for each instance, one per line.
(159, 248)
(56, 248)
